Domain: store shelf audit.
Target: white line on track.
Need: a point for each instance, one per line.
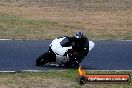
(7, 71)
(97, 40)
(59, 70)
(10, 39)
(33, 70)
(111, 70)
(5, 39)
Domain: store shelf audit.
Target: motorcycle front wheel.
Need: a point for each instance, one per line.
(42, 60)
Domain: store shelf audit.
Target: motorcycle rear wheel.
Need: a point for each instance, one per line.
(72, 64)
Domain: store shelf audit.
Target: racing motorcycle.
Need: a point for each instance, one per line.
(62, 55)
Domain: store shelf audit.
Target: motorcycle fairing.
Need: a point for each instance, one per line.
(59, 50)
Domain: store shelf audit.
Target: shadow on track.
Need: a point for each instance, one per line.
(56, 67)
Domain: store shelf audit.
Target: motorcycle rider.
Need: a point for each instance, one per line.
(68, 51)
(80, 46)
(78, 42)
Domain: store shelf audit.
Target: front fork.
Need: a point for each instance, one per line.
(51, 55)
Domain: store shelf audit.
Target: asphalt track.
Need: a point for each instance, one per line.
(17, 55)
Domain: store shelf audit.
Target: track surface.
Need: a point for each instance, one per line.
(16, 55)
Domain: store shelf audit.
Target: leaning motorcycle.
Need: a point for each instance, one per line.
(66, 56)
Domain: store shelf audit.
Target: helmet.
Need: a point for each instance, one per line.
(79, 35)
(78, 38)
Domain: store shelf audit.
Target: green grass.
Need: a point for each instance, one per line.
(56, 79)
(20, 28)
(99, 19)
(14, 27)
(17, 27)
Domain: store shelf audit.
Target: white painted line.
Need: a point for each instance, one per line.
(59, 70)
(33, 70)
(23, 71)
(11, 39)
(7, 71)
(5, 39)
(110, 70)
(124, 40)
(17, 39)
(95, 40)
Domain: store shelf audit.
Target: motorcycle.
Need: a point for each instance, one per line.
(63, 56)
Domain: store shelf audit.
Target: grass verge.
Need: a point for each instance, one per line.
(46, 22)
(54, 79)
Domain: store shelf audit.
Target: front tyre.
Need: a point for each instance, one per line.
(41, 60)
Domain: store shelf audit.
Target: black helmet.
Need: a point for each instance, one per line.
(79, 35)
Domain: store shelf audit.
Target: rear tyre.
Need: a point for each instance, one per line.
(67, 64)
(72, 64)
(74, 60)
(75, 65)
(42, 60)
